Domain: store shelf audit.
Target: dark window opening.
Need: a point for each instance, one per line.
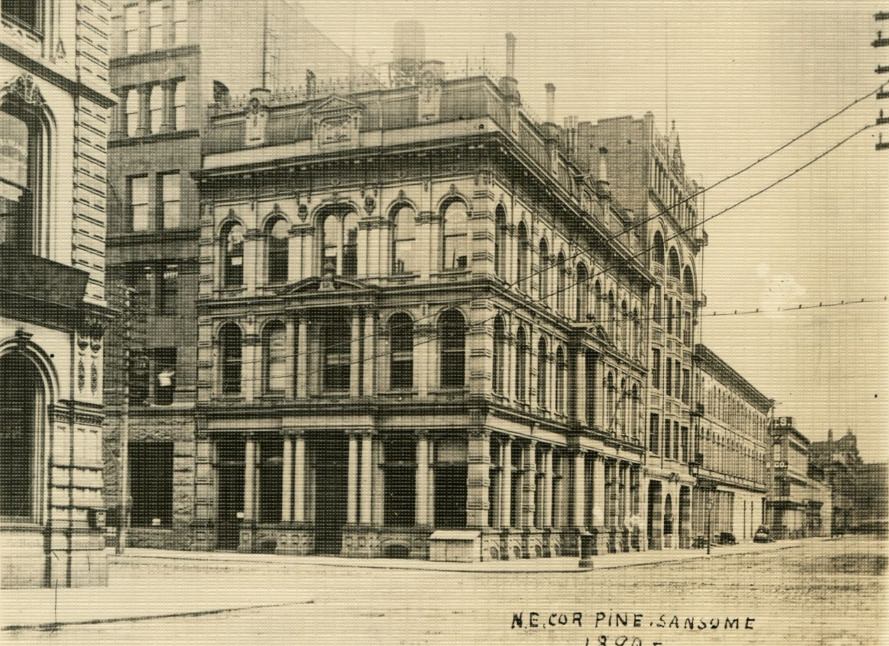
(164, 375)
(401, 347)
(24, 13)
(450, 496)
(337, 357)
(453, 349)
(399, 483)
(278, 241)
(271, 455)
(230, 342)
(654, 430)
(151, 484)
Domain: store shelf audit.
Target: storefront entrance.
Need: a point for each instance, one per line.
(230, 465)
(331, 462)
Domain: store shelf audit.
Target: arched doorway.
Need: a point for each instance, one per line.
(22, 422)
(668, 521)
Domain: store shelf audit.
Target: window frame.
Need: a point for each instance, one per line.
(277, 252)
(401, 351)
(449, 238)
(169, 220)
(452, 350)
(231, 341)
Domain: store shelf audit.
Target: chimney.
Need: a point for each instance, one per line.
(510, 55)
(550, 103)
(602, 186)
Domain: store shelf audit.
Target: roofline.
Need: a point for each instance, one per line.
(706, 356)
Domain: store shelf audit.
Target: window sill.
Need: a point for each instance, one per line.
(231, 291)
(452, 273)
(450, 391)
(229, 397)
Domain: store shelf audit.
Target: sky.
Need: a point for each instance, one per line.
(739, 79)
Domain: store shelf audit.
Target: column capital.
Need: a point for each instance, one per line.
(480, 433)
(422, 433)
(293, 431)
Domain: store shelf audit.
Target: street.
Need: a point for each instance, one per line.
(823, 592)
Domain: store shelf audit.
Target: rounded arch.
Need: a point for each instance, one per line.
(386, 321)
(455, 235)
(230, 218)
(42, 362)
(399, 202)
(324, 209)
(657, 247)
(220, 325)
(269, 219)
(452, 196)
(688, 280)
(269, 323)
(452, 348)
(673, 263)
(273, 336)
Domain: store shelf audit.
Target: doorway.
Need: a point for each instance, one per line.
(331, 464)
(230, 501)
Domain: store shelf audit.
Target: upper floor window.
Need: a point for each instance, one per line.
(653, 433)
(655, 368)
(499, 354)
(522, 260)
(171, 200)
(455, 233)
(274, 357)
(339, 243)
(179, 106)
(165, 375)
(599, 304)
(155, 24)
(688, 281)
(337, 359)
(230, 357)
(232, 254)
(561, 370)
(139, 215)
(541, 372)
(561, 286)
(521, 346)
(500, 241)
(180, 22)
(132, 112)
(277, 236)
(131, 29)
(580, 306)
(156, 108)
(658, 248)
(20, 135)
(403, 236)
(401, 352)
(656, 304)
(452, 333)
(25, 14)
(673, 268)
(686, 328)
(168, 290)
(542, 283)
(612, 317)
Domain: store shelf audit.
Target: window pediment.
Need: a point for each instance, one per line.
(336, 123)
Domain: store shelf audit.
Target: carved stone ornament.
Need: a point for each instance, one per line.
(303, 212)
(370, 203)
(255, 122)
(23, 88)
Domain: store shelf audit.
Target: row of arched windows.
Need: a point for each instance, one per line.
(336, 361)
(673, 263)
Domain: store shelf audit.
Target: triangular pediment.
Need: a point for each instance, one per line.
(335, 103)
(327, 284)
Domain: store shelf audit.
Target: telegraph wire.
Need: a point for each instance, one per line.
(531, 275)
(525, 303)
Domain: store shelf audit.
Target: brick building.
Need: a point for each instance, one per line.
(731, 445)
(54, 105)
(169, 60)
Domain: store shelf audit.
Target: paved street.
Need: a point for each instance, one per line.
(820, 592)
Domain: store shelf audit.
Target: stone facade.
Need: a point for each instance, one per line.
(54, 102)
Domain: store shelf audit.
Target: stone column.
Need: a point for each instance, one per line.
(580, 387)
(250, 455)
(352, 481)
(287, 480)
(370, 349)
(598, 491)
(355, 356)
(422, 484)
(578, 478)
(529, 485)
(478, 473)
(366, 478)
(506, 484)
(302, 359)
(548, 489)
(299, 478)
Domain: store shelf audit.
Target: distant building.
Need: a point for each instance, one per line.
(788, 499)
(170, 59)
(54, 121)
(819, 503)
(732, 444)
(859, 489)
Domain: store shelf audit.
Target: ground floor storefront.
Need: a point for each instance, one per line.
(726, 510)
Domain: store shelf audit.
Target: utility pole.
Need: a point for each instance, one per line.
(265, 42)
(882, 40)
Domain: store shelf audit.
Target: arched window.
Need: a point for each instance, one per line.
(637, 334)
(232, 241)
(634, 412)
(688, 281)
(339, 243)
(20, 172)
(277, 239)
(561, 286)
(499, 354)
(658, 248)
(500, 242)
(335, 339)
(542, 283)
(673, 269)
(624, 326)
(609, 402)
(403, 236)
(230, 357)
(582, 291)
(599, 304)
(401, 352)
(455, 234)
(521, 365)
(560, 380)
(541, 373)
(452, 333)
(274, 357)
(522, 260)
(622, 395)
(612, 317)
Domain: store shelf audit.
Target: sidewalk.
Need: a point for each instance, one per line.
(143, 583)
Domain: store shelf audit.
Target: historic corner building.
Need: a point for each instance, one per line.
(732, 444)
(54, 104)
(422, 327)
